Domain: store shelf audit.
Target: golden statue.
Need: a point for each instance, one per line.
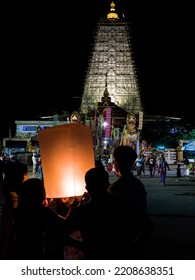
(129, 135)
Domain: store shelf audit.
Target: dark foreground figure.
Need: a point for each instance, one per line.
(134, 226)
(114, 223)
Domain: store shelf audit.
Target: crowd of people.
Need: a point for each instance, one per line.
(112, 219)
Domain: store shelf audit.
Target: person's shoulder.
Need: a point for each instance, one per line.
(117, 188)
(137, 181)
(115, 184)
(124, 181)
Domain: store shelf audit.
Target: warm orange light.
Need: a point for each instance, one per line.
(67, 154)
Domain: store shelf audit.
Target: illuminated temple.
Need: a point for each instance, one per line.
(110, 92)
(111, 64)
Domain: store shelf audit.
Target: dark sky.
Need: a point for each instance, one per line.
(45, 46)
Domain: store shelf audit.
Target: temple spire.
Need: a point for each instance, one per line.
(106, 97)
(112, 14)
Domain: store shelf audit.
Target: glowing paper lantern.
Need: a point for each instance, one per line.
(67, 154)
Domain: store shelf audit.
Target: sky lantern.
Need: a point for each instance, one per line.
(67, 154)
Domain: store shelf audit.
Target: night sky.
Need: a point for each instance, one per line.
(45, 47)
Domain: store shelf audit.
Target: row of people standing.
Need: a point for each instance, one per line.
(113, 220)
(140, 163)
(162, 166)
(151, 162)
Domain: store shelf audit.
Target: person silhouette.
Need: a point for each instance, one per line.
(134, 223)
(96, 219)
(178, 170)
(163, 166)
(151, 164)
(38, 229)
(15, 173)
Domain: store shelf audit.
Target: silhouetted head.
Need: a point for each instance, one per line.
(15, 173)
(124, 158)
(97, 181)
(32, 193)
(98, 163)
